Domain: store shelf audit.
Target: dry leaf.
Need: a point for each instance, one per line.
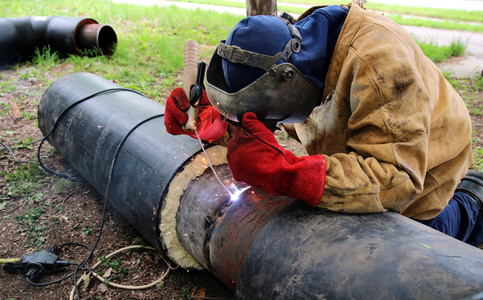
(102, 288)
(107, 274)
(14, 110)
(200, 293)
(87, 279)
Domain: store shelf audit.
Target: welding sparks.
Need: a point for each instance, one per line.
(233, 195)
(209, 162)
(236, 194)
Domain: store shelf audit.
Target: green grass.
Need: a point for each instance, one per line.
(438, 13)
(441, 24)
(469, 89)
(441, 53)
(115, 264)
(150, 50)
(30, 220)
(478, 159)
(23, 180)
(453, 19)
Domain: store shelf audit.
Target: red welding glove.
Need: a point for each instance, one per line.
(256, 158)
(210, 128)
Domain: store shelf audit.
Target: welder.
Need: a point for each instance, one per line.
(383, 128)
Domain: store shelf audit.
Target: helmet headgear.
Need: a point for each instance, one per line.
(248, 72)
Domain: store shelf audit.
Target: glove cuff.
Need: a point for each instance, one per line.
(305, 180)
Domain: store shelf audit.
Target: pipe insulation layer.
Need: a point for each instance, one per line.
(19, 37)
(259, 246)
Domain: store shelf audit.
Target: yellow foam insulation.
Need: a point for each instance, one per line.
(194, 169)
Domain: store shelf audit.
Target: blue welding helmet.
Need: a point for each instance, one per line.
(272, 67)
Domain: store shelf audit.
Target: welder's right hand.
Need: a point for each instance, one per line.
(211, 127)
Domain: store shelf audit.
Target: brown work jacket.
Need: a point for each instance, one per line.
(395, 134)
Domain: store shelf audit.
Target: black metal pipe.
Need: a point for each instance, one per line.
(265, 247)
(19, 37)
(260, 246)
(303, 253)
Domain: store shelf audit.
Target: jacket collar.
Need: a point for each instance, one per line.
(349, 29)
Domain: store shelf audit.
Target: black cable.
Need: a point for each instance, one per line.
(54, 281)
(13, 155)
(107, 91)
(37, 140)
(248, 132)
(62, 175)
(111, 170)
(55, 248)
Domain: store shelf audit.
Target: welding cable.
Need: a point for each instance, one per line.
(51, 282)
(106, 91)
(121, 286)
(13, 155)
(104, 209)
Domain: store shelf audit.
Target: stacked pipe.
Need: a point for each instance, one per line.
(259, 246)
(19, 37)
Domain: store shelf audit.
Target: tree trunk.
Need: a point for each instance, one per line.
(261, 7)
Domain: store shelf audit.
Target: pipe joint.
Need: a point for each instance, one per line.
(215, 221)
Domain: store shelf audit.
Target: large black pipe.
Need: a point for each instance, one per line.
(90, 128)
(19, 37)
(260, 246)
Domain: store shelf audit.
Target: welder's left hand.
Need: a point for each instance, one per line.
(256, 158)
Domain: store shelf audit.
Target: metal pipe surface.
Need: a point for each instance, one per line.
(19, 37)
(259, 246)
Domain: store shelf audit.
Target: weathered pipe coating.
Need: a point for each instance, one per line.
(19, 37)
(261, 247)
(89, 133)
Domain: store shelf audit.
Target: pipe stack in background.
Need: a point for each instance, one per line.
(259, 246)
(19, 37)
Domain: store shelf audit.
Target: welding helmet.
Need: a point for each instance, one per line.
(274, 67)
(259, 77)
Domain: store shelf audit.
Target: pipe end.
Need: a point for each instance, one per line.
(97, 39)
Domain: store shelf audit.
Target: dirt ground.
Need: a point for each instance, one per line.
(42, 211)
